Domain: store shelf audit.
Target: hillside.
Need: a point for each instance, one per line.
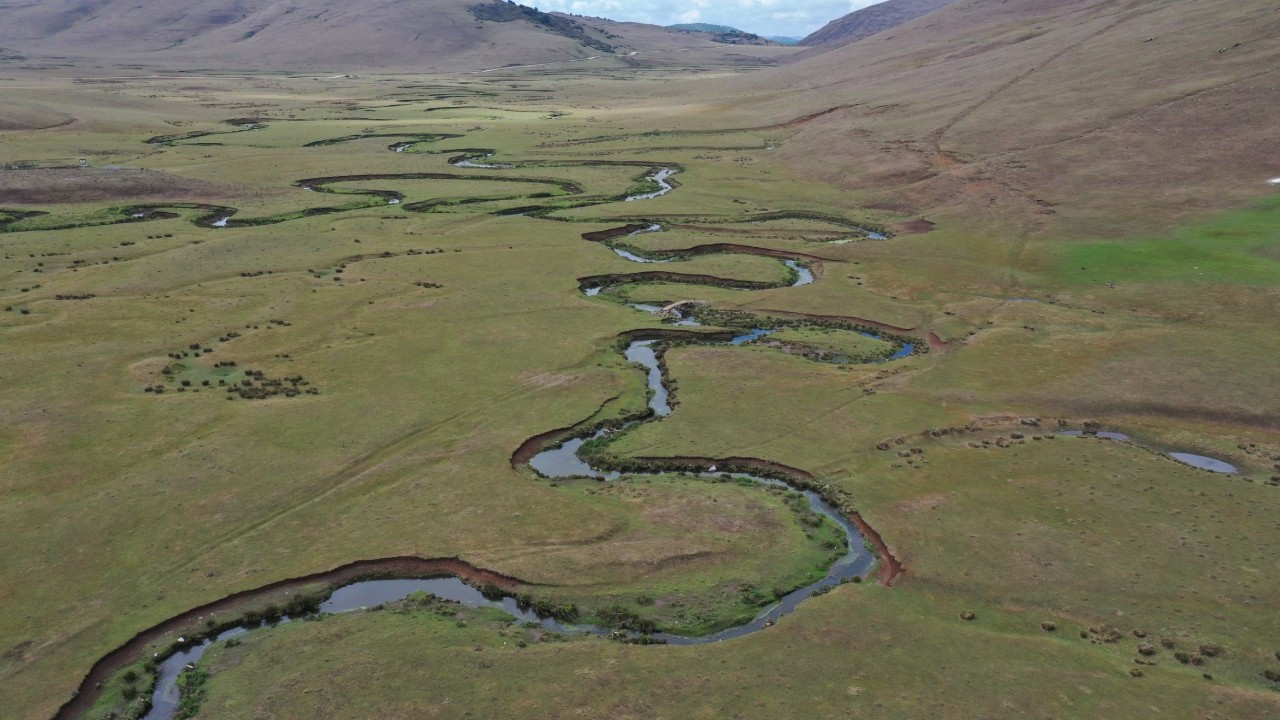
(870, 20)
(1088, 148)
(1061, 110)
(267, 34)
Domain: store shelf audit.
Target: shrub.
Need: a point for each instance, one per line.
(567, 612)
(301, 604)
(191, 685)
(616, 616)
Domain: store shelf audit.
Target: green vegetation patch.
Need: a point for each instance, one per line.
(1241, 248)
(126, 695)
(191, 687)
(829, 344)
(732, 547)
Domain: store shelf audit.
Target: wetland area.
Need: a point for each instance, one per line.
(709, 379)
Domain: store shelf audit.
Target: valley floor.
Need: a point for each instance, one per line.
(282, 324)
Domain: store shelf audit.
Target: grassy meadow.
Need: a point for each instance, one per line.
(428, 345)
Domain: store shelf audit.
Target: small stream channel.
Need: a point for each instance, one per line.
(664, 187)
(560, 462)
(471, 162)
(1202, 462)
(563, 461)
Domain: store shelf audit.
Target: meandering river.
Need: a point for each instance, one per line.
(562, 461)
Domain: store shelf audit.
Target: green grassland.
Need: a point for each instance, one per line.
(427, 664)
(745, 548)
(838, 344)
(1240, 248)
(438, 342)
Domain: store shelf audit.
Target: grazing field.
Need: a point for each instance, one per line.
(283, 324)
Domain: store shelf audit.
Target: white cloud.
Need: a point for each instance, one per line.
(765, 17)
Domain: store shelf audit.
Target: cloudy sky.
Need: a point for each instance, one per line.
(794, 18)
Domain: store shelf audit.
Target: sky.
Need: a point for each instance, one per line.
(789, 18)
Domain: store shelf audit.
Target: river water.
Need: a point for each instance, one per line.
(664, 187)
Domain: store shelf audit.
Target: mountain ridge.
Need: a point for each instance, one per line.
(870, 20)
(293, 34)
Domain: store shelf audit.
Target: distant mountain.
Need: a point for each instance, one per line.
(871, 20)
(784, 40)
(705, 27)
(723, 33)
(337, 34)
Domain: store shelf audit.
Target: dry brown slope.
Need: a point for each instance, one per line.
(1129, 108)
(20, 116)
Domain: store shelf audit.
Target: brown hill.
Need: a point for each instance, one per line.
(871, 20)
(417, 34)
(1139, 111)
